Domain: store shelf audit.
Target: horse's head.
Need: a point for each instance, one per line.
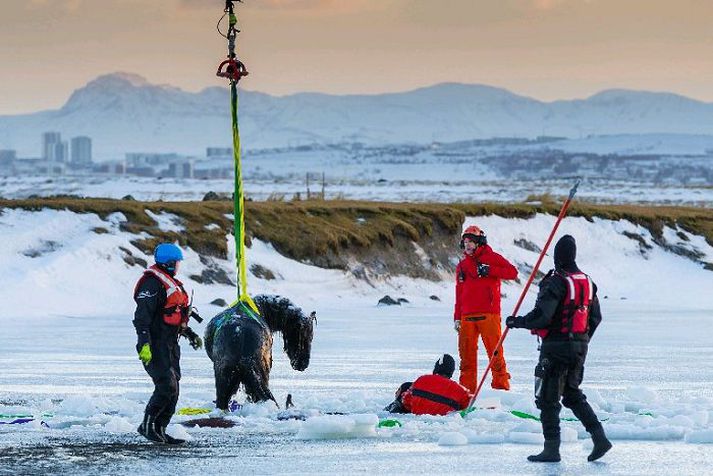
(298, 334)
(297, 328)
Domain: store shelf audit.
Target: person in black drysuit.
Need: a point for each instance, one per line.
(158, 341)
(560, 368)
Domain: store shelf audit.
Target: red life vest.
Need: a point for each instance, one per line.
(574, 317)
(175, 310)
(435, 395)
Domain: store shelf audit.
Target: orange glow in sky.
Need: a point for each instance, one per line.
(547, 49)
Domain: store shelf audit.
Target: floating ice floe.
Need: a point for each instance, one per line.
(453, 438)
(339, 427)
(703, 436)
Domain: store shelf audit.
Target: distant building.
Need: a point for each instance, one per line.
(213, 169)
(81, 150)
(7, 161)
(143, 159)
(8, 156)
(53, 148)
(181, 169)
(61, 152)
(40, 167)
(218, 152)
(112, 167)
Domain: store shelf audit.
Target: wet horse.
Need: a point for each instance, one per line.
(239, 342)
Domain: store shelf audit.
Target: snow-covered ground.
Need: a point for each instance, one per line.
(424, 186)
(68, 352)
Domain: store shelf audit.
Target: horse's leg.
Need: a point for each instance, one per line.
(227, 382)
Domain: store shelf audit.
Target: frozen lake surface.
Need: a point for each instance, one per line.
(360, 354)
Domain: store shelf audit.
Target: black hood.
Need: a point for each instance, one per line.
(445, 366)
(566, 253)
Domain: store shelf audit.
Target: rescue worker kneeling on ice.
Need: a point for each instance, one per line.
(161, 317)
(433, 394)
(565, 317)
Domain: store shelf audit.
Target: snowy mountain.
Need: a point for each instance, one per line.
(124, 113)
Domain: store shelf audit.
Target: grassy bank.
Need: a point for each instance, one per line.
(319, 231)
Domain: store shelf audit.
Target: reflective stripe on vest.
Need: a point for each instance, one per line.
(572, 287)
(174, 311)
(168, 282)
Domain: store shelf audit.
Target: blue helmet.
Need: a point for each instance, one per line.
(167, 252)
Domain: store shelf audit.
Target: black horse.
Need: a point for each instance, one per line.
(239, 342)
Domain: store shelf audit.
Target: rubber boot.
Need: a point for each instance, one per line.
(501, 381)
(169, 439)
(551, 453)
(601, 445)
(147, 429)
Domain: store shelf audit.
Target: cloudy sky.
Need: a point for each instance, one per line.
(547, 49)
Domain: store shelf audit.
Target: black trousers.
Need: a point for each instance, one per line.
(165, 371)
(558, 375)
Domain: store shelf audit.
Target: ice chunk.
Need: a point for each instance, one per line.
(491, 403)
(452, 438)
(119, 425)
(642, 394)
(78, 405)
(618, 431)
(527, 438)
(700, 417)
(702, 436)
(568, 435)
(483, 438)
(338, 426)
(178, 431)
(528, 426)
(681, 420)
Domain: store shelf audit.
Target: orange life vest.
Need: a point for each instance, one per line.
(574, 317)
(175, 310)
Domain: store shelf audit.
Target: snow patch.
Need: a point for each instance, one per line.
(167, 221)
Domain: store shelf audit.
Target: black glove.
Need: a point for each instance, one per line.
(513, 322)
(193, 339)
(483, 270)
(143, 338)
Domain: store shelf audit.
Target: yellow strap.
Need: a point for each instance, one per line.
(193, 411)
(239, 208)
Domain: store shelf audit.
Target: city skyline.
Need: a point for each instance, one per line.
(545, 49)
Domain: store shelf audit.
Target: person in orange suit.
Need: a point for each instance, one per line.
(477, 307)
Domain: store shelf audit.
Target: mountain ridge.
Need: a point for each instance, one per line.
(123, 112)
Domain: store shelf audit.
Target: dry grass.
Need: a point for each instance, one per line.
(319, 231)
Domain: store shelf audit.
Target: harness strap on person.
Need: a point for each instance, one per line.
(436, 398)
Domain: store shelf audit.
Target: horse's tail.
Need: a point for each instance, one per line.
(256, 385)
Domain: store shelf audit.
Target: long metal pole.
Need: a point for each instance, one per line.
(561, 215)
